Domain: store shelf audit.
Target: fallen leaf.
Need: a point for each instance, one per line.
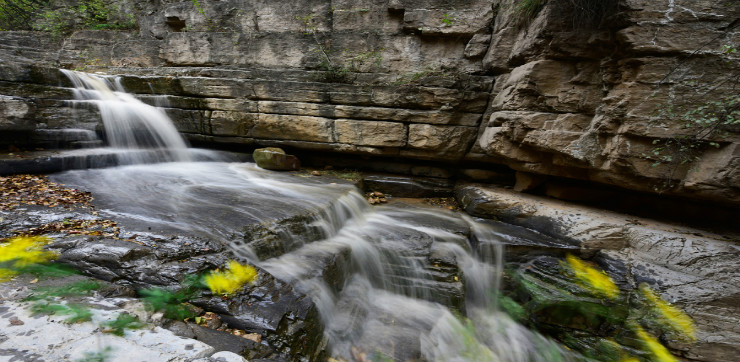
(255, 337)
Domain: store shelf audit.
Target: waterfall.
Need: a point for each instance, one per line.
(140, 132)
(390, 304)
(390, 282)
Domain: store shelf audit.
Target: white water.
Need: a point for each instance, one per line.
(129, 123)
(383, 278)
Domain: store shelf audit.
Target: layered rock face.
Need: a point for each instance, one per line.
(567, 92)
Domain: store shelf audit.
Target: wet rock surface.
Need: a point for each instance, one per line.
(281, 307)
(146, 254)
(408, 186)
(694, 269)
(51, 161)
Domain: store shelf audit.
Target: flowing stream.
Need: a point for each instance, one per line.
(391, 282)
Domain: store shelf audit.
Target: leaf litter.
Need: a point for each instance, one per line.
(19, 190)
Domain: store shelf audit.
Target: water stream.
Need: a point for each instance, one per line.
(391, 282)
(129, 123)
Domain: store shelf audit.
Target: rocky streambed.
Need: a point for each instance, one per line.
(340, 278)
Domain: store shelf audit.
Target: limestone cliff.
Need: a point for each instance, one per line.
(568, 91)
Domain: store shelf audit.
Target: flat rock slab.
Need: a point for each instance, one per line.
(408, 186)
(25, 337)
(50, 161)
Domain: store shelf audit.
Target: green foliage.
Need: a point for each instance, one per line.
(102, 355)
(58, 22)
(702, 110)
(171, 303)
(526, 10)
(448, 19)
(341, 70)
(81, 288)
(417, 77)
(77, 313)
(199, 7)
(124, 321)
(356, 61)
(728, 49)
(47, 270)
(512, 308)
(61, 18)
(704, 126)
(472, 349)
(19, 14)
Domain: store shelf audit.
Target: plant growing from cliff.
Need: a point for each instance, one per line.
(448, 19)
(198, 7)
(704, 125)
(337, 71)
(582, 13)
(61, 18)
(703, 112)
(526, 10)
(19, 14)
(417, 77)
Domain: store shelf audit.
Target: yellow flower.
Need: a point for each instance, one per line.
(671, 316)
(21, 251)
(230, 280)
(592, 279)
(660, 353)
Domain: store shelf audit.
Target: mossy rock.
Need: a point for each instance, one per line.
(273, 158)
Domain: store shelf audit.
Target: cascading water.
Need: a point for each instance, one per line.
(389, 282)
(144, 133)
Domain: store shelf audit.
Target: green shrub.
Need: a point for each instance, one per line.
(526, 10)
(20, 14)
(61, 18)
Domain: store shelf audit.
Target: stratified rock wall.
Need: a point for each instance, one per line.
(595, 104)
(561, 93)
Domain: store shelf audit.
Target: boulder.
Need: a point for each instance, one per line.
(273, 158)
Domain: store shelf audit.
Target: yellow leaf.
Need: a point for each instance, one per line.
(659, 351)
(592, 279)
(229, 281)
(26, 250)
(672, 317)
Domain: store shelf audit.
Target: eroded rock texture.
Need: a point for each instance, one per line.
(696, 270)
(566, 93)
